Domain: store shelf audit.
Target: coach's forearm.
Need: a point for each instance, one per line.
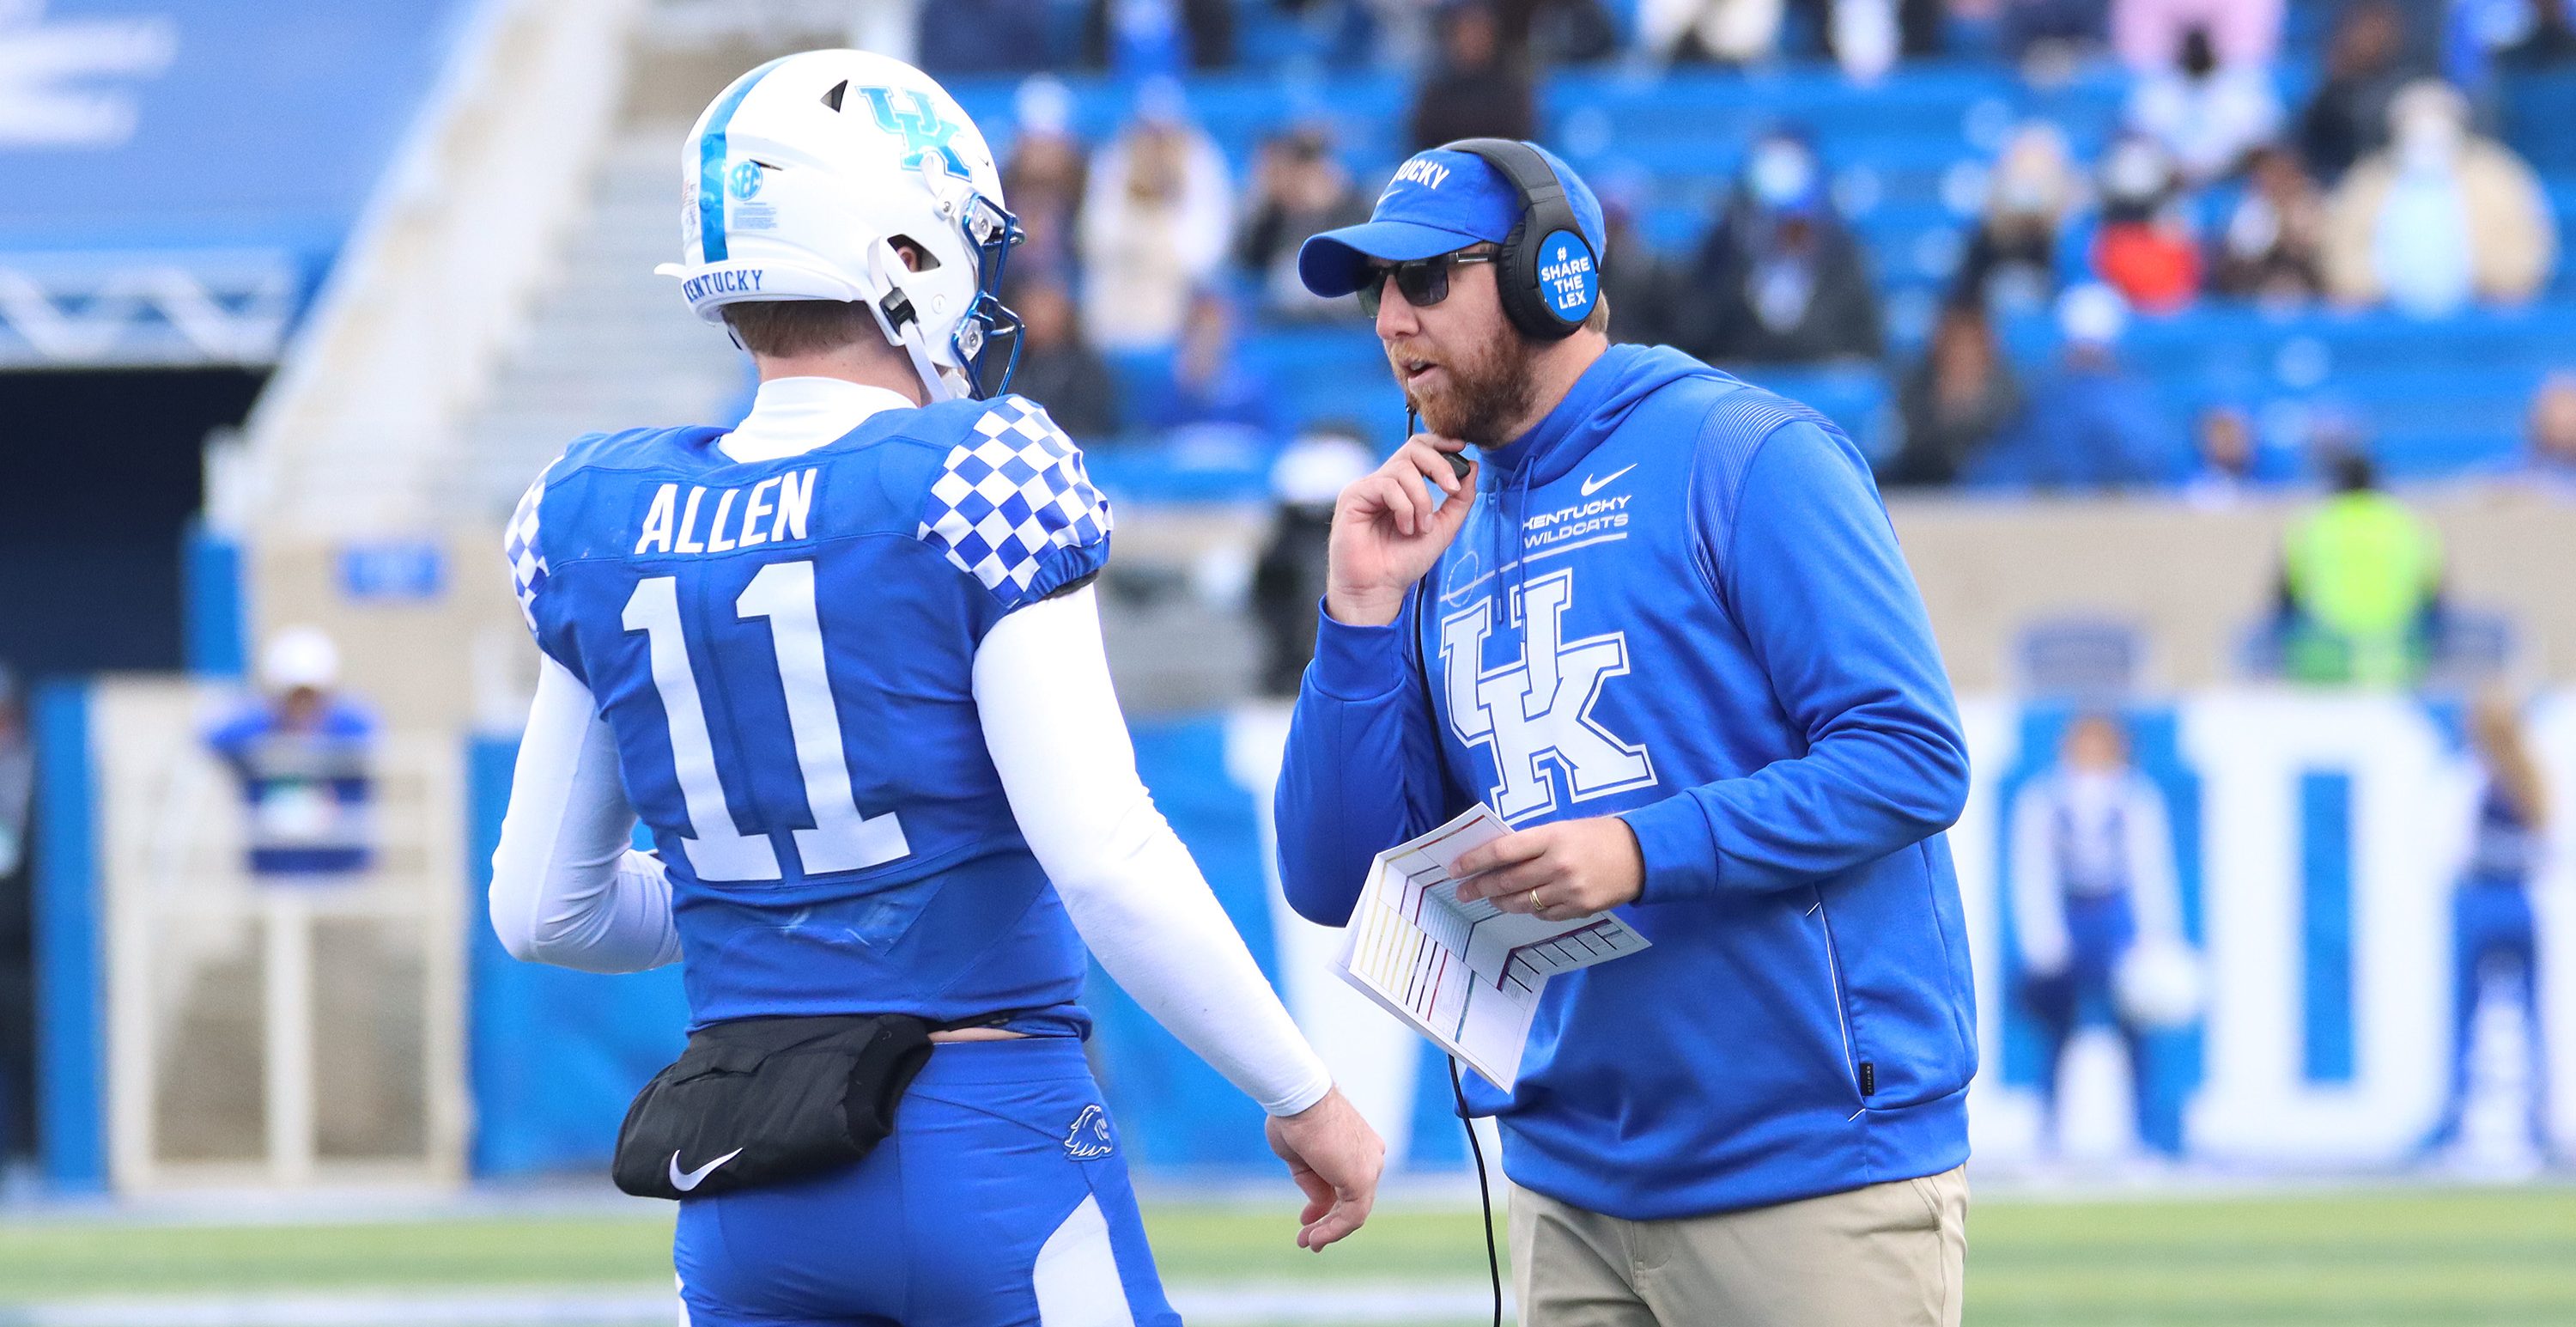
(1355, 779)
(1797, 822)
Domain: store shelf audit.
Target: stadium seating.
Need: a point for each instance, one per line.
(2433, 398)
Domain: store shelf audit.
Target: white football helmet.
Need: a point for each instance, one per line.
(798, 178)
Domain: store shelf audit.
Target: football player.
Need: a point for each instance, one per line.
(844, 660)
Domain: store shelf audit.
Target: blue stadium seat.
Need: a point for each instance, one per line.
(2538, 112)
(2435, 397)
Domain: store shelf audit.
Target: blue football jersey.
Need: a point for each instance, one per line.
(785, 650)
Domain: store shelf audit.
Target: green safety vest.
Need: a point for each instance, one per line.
(2361, 569)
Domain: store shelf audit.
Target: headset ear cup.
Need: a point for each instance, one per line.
(1516, 281)
(1519, 280)
(1544, 310)
(1512, 278)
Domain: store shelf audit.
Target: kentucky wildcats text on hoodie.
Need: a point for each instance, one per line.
(1679, 600)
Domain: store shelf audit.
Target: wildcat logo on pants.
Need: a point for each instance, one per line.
(1088, 1139)
(1539, 707)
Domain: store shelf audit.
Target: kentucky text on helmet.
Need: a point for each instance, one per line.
(737, 281)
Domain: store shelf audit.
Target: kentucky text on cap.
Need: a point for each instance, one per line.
(1439, 202)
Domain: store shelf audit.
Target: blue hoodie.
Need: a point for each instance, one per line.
(1731, 654)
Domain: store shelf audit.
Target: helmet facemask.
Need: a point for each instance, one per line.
(983, 231)
(990, 230)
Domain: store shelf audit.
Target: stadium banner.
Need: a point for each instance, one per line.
(190, 168)
(2317, 839)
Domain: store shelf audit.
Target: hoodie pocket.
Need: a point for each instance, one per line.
(1856, 1072)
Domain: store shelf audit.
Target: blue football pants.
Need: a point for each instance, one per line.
(1001, 1200)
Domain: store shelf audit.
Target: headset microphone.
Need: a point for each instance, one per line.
(1413, 424)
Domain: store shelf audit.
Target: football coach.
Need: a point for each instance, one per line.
(1661, 625)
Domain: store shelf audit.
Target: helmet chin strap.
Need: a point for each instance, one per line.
(901, 323)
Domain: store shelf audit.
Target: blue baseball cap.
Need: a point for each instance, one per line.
(1439, 202)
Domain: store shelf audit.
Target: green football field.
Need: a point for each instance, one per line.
(2429, 1256)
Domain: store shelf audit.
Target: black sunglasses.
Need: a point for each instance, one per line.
(1423, 282)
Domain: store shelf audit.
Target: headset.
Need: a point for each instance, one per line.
(1547, 272)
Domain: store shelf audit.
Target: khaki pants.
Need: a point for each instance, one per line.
(1890, 1255)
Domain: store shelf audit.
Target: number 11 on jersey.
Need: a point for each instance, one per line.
(842, 838)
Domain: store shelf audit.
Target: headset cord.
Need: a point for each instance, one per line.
(1484, 1192)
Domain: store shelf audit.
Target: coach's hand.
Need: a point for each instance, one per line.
(1387, 531)
(1335, 1157)
(1573, 868)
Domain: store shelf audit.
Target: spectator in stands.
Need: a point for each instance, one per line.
(2207, 115)
(1954, 401)
(972, 37)
(1923, 27)
(2144, 247)
(17, 926)
(1043, 180)
(302, 755)
(2366, 64)
(2242, 33)
(2270, 250)
(2014, 262)
(1058, 369)
(1154, 226)
(1288, 578)
(1733, 32)
(1779, 278)
(2361, 585)
(1144, 39)
(1864, 37)
(2051, 33)
(2551, 460)
(2548, 43)
(1298, 189)
(1360, 34)
(2440, 217)
(1641, 286)
(2494, 935)
(2090, 424)
(1477, 88)
(1210, 388)
(2222, 458)
(1546, 33)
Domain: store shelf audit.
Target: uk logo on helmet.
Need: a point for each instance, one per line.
(924, 130)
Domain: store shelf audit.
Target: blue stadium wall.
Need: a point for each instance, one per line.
(2316, 840)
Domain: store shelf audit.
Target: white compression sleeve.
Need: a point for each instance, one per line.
(567, 888)
(1052, 725)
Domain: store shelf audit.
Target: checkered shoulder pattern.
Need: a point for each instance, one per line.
(1010, 493)
(528, 570)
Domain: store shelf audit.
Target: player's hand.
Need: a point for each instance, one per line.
(1558, 872)
(1335, 1157)
(1387, 532)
